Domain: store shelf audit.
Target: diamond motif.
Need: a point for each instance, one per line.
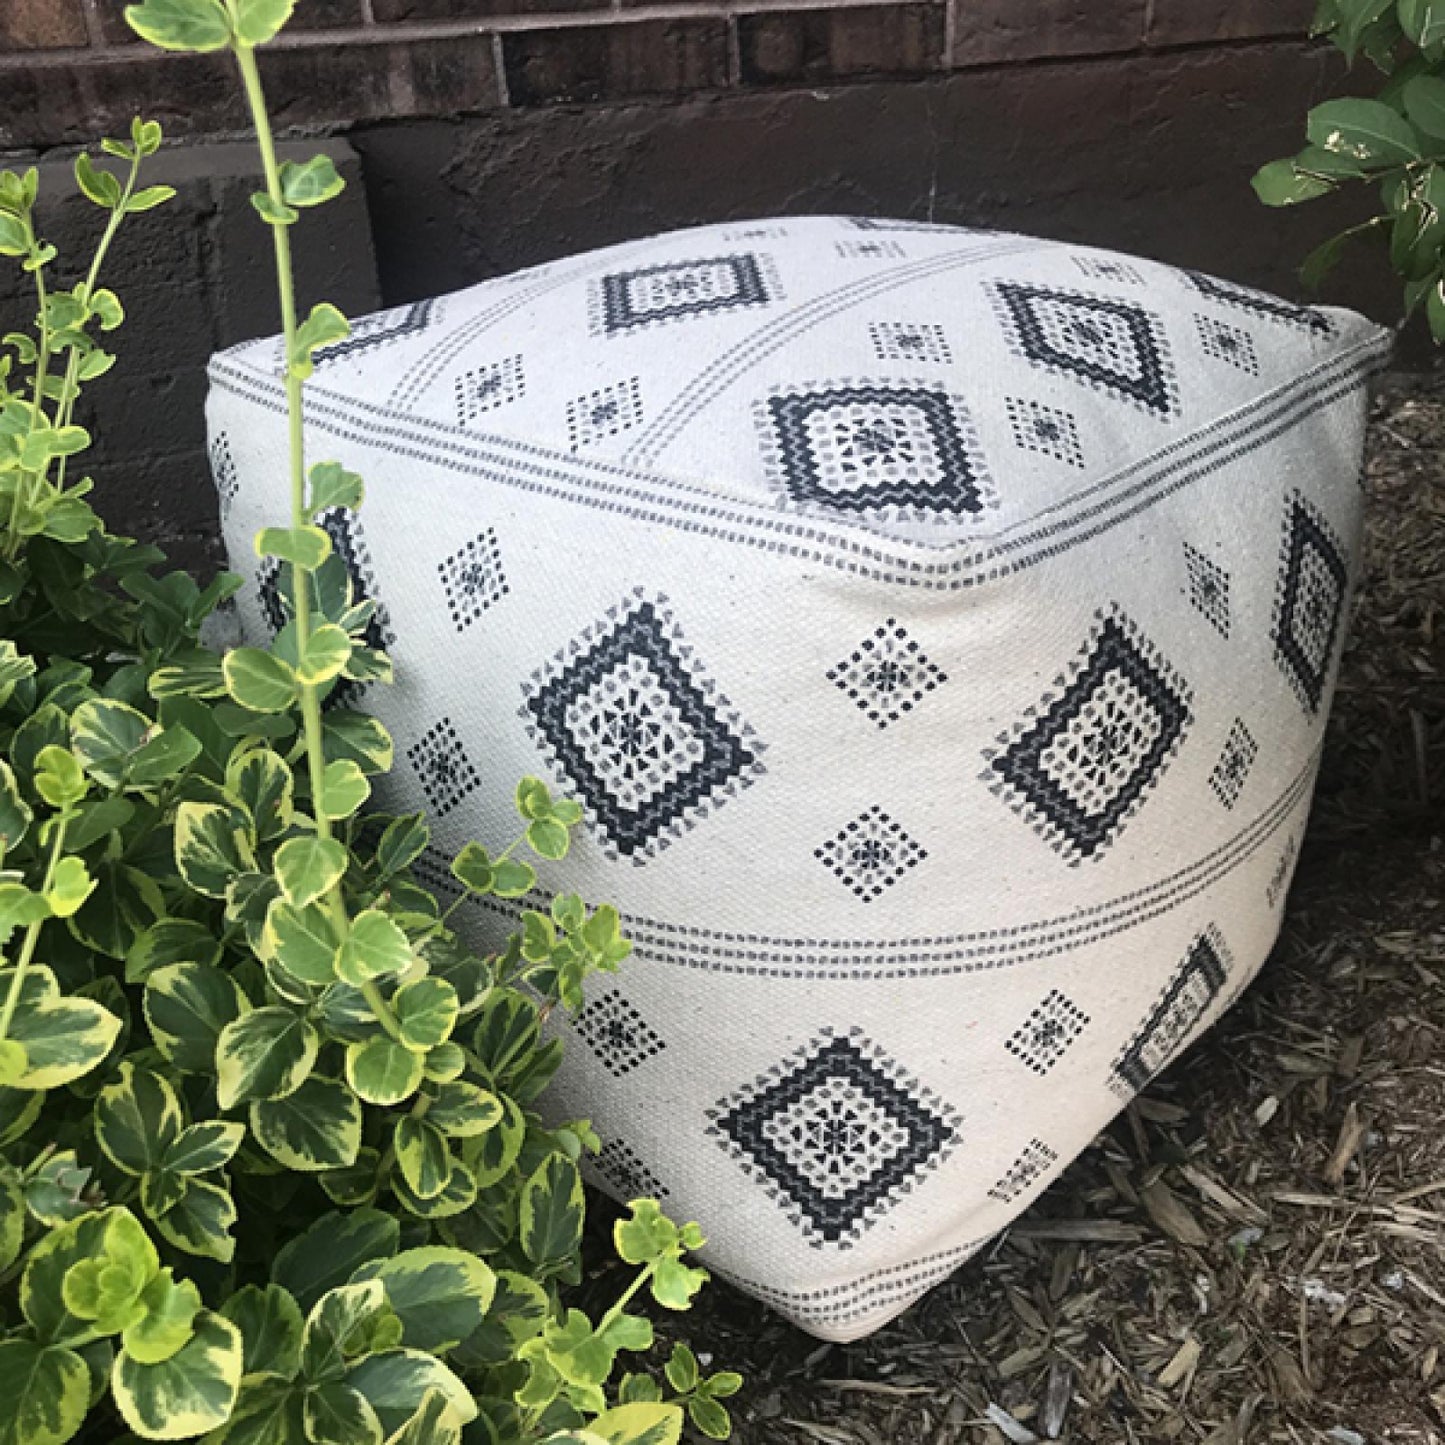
(1046, 429)
(1031, 1165)
(619, 1035)
(1180, 1007)
(1228, 344)
(385, 326)
(627, 1173)
(1310, 603)
(1111, 345)
(473, 579)
(651, 295)
(910, 341)
(876, 448)
(887, 674)
(1208, 589)
(487, 387)
(871, 854)
(443, 767)
(1045, 1036)
(1235, 761)
(1260, 303)
(1080, 764)
(638, 730)
(223, 472)
(604, 413)
(836, 1135)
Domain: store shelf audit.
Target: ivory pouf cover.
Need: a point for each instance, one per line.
(938, 628)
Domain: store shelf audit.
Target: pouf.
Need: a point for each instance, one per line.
(938, 629)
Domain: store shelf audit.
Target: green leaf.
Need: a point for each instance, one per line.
(63, 1038)
(265, 1054)
(512, 878)
(344, 789)
(459, 1194)
(422, 1155)
(331, 1250)
(440, 1294)
(70, 886)
(261, 781)
(55, 1193)
(202, 1147)
(309, 868)
(309, 183)
(187, 1005)
(259, 680)
(1281, 183)
(338, 1415)
(137, 1119)
(640, 1424)
(58, 777)
(323, 327)
(552, 1212)
(274, 213)
(15, 813)
(433, 1424)
(168, 754)
(674, 1284)
(333, 486)
(210, 848)
(397, 1383)
(170, 1307)
(463, 1111)
(1365, 130)
(12, 1221)
(303, 941)
(324, 655)
(315, 1128)
(125, 902)
(270, 1323)
(191, 1392)
(426, 1010)
(547, 838)
(383, 1071)
(258, 21)
(148, 199)
(96, 184)
(333, 1320)
(46, 1390)
(374, 948)
(646, 1236)
(200, 1218)
(710, 1417)
(361, 738)
(305, 547)
(197, 25)
(1424, 22)
(105, 735)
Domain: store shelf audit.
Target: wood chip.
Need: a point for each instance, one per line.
(1169, 1212)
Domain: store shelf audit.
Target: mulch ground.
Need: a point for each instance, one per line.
(1255, 1251)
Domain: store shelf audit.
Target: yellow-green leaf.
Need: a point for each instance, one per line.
(191, 1392)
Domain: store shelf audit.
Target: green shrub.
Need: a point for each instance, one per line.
(1394, 140)
(269, 1172)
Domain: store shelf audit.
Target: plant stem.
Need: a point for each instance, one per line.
(32, 933)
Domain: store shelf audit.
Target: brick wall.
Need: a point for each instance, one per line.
(71, 68)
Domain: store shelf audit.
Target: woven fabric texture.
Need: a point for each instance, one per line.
(938, 628)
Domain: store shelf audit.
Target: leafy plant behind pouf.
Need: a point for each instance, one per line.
(1395, 140)
(267, 1169)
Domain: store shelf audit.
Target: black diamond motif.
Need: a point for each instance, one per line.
(904, 451)
(1111, 345)
(1195, 985)
(1044, 1037)
(1208, 589)
(485, 388)
(836, 1135)
(443, 767)
(223, 471)
(675, 290)
(910, 341)
(1228, 344)
(1031, 1165)
(887, 674)
(604, 413)
(1260, 303)
(1046, 429)
(473, 579)
(1309, 605)
(1232, 770)
(1081, 763)
(871, 854)
(619, 1035)
(372, 331)
(641, 734)
(627, 1173)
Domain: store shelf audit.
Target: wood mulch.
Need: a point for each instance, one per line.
(1255, 1251)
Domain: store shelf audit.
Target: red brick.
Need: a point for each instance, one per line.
(1188, 22)
(994, 32)
(41, 24)
(817, 46)
(651, 57)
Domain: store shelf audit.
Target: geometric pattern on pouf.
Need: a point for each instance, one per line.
(938, 629)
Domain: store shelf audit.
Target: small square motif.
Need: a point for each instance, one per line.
(1228, 344)
(677, 290)
(487, 387)
(472, 579)
(1208, 589)
(223, 472)
(604, 413)
(1046, 429)
(442, 766)
(1032, 1164)
(1108, 268)
(1046, 1035)
(620, 1037)
(626, 1173)
(1232, 770)
(910, 341)
(887, 674)
(871, 854)
(869, 250)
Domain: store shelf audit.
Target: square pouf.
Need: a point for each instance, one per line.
(938, 628)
